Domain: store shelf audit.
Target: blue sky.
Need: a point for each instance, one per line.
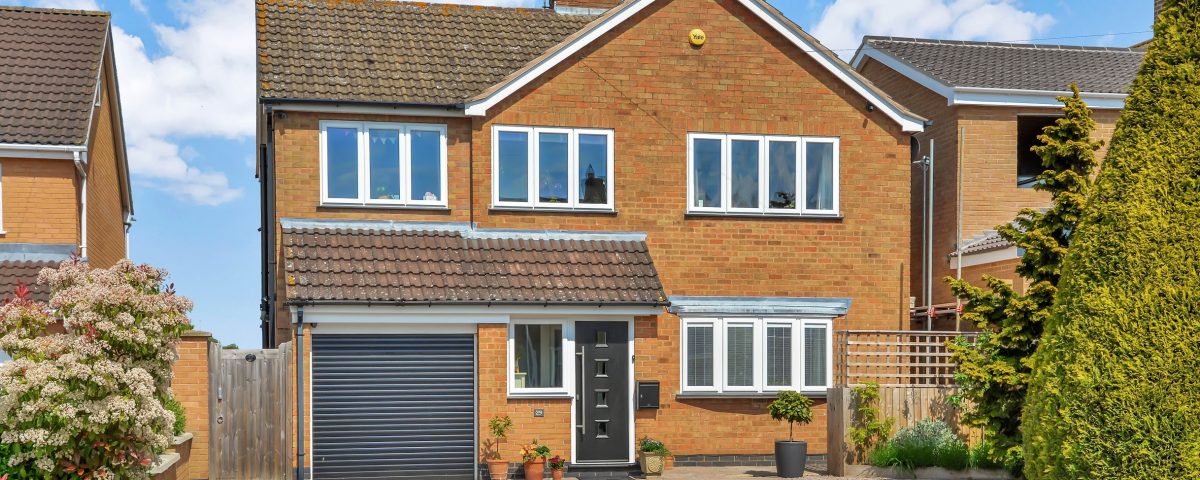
(186, 70)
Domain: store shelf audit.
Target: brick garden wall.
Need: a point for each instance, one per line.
(190, 387)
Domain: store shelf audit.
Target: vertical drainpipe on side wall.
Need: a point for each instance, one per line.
(81, 166)
(267, 320)
(962, 132)
(929, 242)
(299, 392)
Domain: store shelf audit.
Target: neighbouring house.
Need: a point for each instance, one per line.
(576, 217)
(988, 101)
(64, 177)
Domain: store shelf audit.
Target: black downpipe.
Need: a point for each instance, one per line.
(267, 231)
(299, 393)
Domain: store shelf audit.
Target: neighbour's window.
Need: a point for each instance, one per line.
(552, 168)
(365, 163)
(536, 358)
(742, 174)
(1029, 164)
(740, 355)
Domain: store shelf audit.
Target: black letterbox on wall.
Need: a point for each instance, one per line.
(647, 395)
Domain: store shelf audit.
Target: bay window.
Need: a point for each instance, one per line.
(388, 164)
(552, 168)
(746, 174)
(739, 355)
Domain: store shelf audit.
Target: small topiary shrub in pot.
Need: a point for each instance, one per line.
(791, 455)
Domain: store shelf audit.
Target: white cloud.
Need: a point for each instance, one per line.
(139, 6)
(68, 4)
(201, 87)
(843, 24)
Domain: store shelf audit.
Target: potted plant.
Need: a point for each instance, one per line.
(557, 465)
(653, 456)
(790, 455)
(534, 455)
(499, 427)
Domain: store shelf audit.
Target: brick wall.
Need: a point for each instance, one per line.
(106, 214)
(645, 82)
(40, 203)
(190, 387)
(989, 168)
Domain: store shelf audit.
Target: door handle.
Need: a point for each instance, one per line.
(582, 388)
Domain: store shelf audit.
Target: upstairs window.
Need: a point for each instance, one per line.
(552, 168)
(756, 355)
(746, 174)
(386, 164)
(1029, 164)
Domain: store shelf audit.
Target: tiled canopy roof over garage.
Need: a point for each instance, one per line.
(384, 262)
(49, 65)
(1015, 66)
(398, 52)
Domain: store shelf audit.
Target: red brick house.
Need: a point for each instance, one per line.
(574, 217)
(64, 177)
(988, 102)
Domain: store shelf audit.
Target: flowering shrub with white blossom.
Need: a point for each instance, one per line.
(82, 396)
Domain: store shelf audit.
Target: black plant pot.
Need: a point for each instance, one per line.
(790, 458)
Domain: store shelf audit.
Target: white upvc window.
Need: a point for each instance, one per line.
(540, 357)
(757, 174)
(383, 164)
(739, 355)
(552, 168)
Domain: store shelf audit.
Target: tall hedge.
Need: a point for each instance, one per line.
(1115, 389)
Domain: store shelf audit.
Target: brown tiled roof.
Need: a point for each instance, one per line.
(445, 264)
(49, 62)
(14, 272)
(1016, 66)
(397, 52)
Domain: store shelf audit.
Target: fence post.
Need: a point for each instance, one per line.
(839, 421)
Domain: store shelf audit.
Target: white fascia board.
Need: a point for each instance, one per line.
(360, 109)
(25, 150)
(983, 258)
(464, 314)
(479, 108)
(1032, 98)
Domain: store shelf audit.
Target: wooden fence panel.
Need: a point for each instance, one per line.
(250, 422)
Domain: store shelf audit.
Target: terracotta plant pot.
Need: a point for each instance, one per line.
(652, 463)
(535, 469)
(497, 469)
(556, 474)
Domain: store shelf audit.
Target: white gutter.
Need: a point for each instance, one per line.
(81, 166)
(366, 109)
(29, 150)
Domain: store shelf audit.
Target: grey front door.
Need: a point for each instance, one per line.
(602, 431)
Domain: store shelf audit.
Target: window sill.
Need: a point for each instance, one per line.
(540, 396)
(592, 211)
(687, 395)
(425, 208)
(837, 217)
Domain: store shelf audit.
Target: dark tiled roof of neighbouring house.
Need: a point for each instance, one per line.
(397, 52)
(49, 64)
(15, 272)
(1016, 66)
(985, 242)
(367, 262)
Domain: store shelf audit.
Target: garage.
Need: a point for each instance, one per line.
(393, 406)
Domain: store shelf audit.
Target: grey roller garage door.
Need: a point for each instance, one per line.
(396, 406)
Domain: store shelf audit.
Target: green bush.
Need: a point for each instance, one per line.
(791, 407)
(929, 443)
(1114, 391)
(180, 416)
(983, 457)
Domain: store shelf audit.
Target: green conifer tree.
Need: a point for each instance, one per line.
(994, 371)
(1115, 387)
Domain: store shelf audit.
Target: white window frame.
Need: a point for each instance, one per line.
(364, 164)
(764, 207)
(532, 159)
(720, 327)
(568, 360)
(756, 362)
